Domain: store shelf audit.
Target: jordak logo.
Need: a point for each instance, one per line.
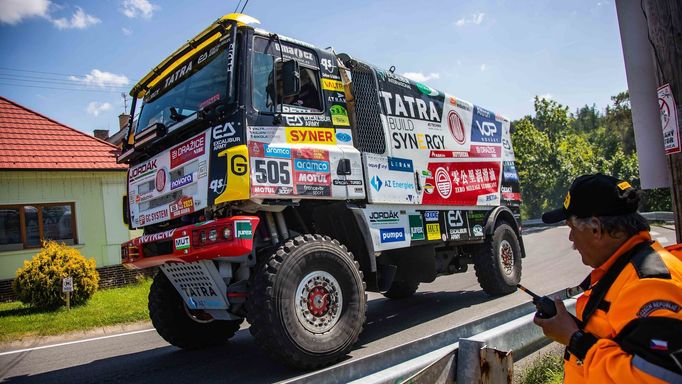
(143, 170)
(383, 217)
(184, 70)
(411, 107)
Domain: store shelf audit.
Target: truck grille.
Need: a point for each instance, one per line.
(370, 132)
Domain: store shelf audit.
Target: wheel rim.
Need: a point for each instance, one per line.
(318, 302)
(506, 257)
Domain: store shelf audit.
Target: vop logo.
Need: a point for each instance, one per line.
(431, 215)
(486, 128)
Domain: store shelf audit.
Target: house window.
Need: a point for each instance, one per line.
(25, 226)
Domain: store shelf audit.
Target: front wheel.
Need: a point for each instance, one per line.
(307, 302)
(498, 262)
(180, 326)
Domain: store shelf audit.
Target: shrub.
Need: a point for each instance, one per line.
(39, 281)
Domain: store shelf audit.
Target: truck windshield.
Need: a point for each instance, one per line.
(200, 82)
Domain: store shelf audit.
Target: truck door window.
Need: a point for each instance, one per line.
(267, 85)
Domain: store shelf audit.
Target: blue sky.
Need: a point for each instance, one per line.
(70, 60)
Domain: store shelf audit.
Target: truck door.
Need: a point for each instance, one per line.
(300, 145)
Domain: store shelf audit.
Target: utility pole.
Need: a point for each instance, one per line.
(664, 21)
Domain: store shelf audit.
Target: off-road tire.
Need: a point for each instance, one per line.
(401, 289)
(498, 261)
(172, 321)
(308, 269)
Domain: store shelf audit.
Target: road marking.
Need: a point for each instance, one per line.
(74, 342)
(662, 239)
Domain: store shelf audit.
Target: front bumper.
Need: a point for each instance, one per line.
(227, 237)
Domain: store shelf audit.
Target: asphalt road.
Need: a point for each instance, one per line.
(143, 357)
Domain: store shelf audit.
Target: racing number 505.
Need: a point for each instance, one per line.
(272, 171)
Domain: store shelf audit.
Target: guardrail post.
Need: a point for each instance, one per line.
(476, 363)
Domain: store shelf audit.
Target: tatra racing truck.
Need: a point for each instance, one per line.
(278, 182)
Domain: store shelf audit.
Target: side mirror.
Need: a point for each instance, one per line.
(291, 78)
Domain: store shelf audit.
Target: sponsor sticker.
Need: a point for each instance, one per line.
(283, 153)
(401, 165)
(384, 217)
(392, 235)
(160, 180)
(432, 231)
(310, 136)
(182, 181)
(431, 215)
(343, 137)
(182, 207)
(339, 115)
(188, 150)
(443, 183)
(456, 125)
(332, 85)
(182, 243)
(485, 128)
(416, 227)
(243, 229)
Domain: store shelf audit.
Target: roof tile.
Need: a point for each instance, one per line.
(29, 140)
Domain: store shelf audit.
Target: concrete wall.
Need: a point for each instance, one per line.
(97, 197)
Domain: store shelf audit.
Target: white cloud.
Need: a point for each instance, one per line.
(546, 96)
(102, 79)
(95, 108)
(79, 20)
(126, 31)
(14, 11)
(476, 18)
(142, 8)
(420, 77)
(483, 67)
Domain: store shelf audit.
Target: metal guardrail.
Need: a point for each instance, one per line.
(667, 217)
(437, 357)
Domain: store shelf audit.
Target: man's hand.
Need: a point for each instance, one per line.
(560, 327)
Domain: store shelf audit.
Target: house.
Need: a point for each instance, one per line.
(57, 183)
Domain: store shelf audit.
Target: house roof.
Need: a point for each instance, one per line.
(31, 141)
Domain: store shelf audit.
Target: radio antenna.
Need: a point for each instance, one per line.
(237, 7)
(247, 2)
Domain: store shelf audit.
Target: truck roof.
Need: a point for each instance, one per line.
(205, 37)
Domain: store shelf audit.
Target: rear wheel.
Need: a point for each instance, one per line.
(307, 302)
(498, 261)
(180, 326)
(401, 289)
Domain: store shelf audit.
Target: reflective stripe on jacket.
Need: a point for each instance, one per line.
(628, 298)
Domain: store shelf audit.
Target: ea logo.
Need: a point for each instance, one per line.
(456, 127)
(443, 183)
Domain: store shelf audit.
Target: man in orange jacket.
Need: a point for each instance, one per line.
(629, 320)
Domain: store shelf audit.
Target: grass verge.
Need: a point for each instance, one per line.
(547, 369)
(106, 307)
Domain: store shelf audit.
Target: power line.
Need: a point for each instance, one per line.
(28, 79)
(41, 72)
(62, 89)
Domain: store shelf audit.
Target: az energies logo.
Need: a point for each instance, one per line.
(443, 183)
(456, 127)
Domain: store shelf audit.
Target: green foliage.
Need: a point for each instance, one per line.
(548, 369)
(106, 307)
(39, 281)
(554, 147)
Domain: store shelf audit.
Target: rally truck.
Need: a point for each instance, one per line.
(278, 182)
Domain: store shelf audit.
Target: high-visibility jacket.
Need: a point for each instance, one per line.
(633, 295)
